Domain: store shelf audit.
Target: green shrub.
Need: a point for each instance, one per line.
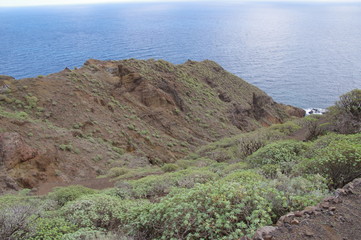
(288, 194)
(225, 209)
(117, 171)
(84, 233)
(118, 150)
(339, 161)
(283, 153)
(32, 101)
(313, 126)
(94, 211)
(270, 170)
(66, 147)
(234, 167)
(184, 164)
(62, 195)
(92, 234)
(51, 228)
(190, 178)
(207, 211)
(16, 219)
(22, 115)
(169, 167)
(286, 128)
(146, 187)
(9, 200)
(351, 103)
(244, 176)
(249, 146)
(196, 162)
(238, 147)
(346, 114)
(159, 185)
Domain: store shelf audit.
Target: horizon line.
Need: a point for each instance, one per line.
(38, 3)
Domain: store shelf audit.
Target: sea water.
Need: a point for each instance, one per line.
(300, 54)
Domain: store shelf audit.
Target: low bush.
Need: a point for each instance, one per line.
(62, 195)
(312, 125)
(244, 177)
(351, 103)
(94, 211)
(16, 219)
(51, 228)
(9, 200)
(345, 116)
(339, 161)
(237, 148)
(92, 234)
(283, 153)
(198, 162)
(286, 128)
(270, 170)
(159, 185)
(169, 167)
(288, 194)
(190, 178)
(234, 167)
(207, 211)
(117, 171)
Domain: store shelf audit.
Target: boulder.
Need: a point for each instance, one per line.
(264, 233)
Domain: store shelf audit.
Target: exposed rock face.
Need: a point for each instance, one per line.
(14, 150)
(8, 184)
(262, 109)
(76, 124)
(25, 166)
(292, 111)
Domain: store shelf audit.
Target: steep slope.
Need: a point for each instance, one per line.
(77, 123)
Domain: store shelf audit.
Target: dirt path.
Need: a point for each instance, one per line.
(96, 183)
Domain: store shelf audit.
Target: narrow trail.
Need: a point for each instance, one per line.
(95, 183)
(337, 217)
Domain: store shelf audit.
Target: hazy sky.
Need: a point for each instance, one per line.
(5, 3)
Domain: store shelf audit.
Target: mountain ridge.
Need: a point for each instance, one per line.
(74, 124)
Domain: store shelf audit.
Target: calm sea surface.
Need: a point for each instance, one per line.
(300, 54)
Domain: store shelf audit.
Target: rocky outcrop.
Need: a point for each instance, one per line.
(293, 111)
(8, 184)
(14, 150)
(262, 109)
(25, 166)
(5, 77)
(337, 217)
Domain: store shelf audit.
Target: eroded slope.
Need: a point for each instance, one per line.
(77, 123)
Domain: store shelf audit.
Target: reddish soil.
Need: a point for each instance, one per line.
(336, 218)
(96, 183)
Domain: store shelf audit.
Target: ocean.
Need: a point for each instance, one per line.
(305, 55)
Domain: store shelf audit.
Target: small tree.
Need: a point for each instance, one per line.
(351, 103)
(15, 220)
(347, 112)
